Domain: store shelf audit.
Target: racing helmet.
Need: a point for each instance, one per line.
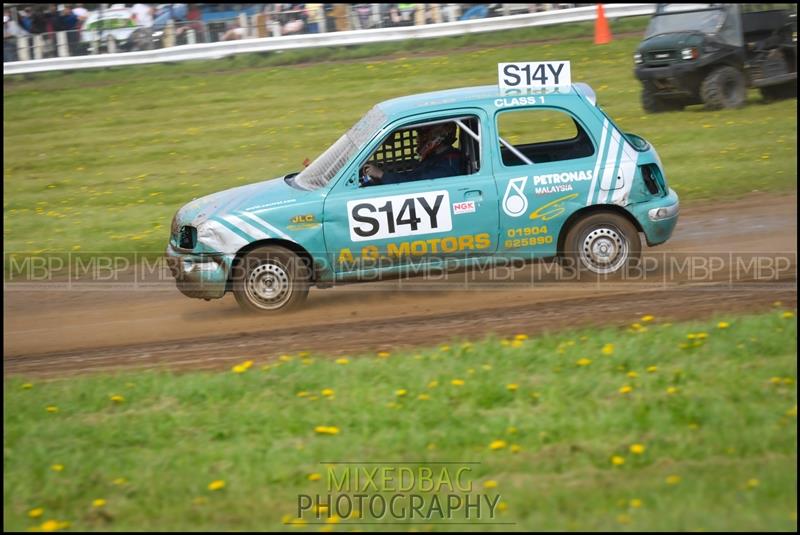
(430, 138)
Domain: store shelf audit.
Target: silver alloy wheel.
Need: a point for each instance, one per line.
(268, 286)
(604, 249)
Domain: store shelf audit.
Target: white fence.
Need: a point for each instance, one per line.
(357, 37)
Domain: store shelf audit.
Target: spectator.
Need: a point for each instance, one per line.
(11, 31)
(316, 14)
(143, 15)
(67, 21)
(235, 33)
(294, 19)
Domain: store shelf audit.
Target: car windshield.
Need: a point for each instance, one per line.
(327, 164)
(668, 21)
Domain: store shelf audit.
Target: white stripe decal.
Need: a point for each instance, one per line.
(611, 163)
(600, 156)
(260, 221)
(246, 227)
(219, 238)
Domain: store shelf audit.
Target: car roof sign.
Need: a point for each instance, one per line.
(538, 75)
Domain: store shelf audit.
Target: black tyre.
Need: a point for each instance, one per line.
(603, 245)
(270, 279)
(725, 87)
(780, 91)
(652, 103)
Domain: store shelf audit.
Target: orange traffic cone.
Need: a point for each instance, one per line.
(602, 33)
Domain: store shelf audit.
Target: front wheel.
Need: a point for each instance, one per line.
(601, 245)
(652, 103)
(724, 88)
(270, 279)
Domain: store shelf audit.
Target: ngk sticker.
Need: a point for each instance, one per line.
(465, 207)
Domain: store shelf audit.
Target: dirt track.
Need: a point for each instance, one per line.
(55, 331)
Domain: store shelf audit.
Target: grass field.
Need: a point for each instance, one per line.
(690, 426)
(99, 161)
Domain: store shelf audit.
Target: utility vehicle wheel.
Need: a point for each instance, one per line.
(724, 87)
(652, 103)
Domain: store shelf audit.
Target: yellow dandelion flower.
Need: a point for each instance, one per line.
(327, 392)
(652, 369)
(247, 364)
(36, 512)
(777, 304)
(637, 449)
(457, 382)
(787, 315)
(302, 394)
(217, 484)
(626, 389)
(608, 349)
(672, 390)
(423, 397)
(583, 362)
(752, 483)
(99, 502)
(53, 525)
(116, 398)
(636, 503)
(515, 448)
(120, 481)
(333, 519)
(723, 325)
(512, 387)
(57, 467)
(490, 484)
(444, 348)
(512, 430)
(433, 384)
(647, 318)
(326, 430)
(673, 480)
(517, 343)
(498, 444)
(505, 343)
(342, 361)
(521, 337)
(383, 354)
(617, 460)
(239, 368)
(632, 374)
(792, 412)
(400, 392)
(314, 477)
(285, 358)
(52, 409)
(27, 386)
(502, 506)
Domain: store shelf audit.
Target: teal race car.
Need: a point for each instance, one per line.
(450, 178)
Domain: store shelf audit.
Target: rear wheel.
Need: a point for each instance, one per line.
(603, 245)
(270, 279)
(724, 87)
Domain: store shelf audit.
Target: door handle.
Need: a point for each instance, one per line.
(473, 194)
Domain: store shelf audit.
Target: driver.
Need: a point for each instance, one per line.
(437, 157)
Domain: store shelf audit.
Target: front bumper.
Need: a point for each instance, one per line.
(658, 217)
(200, 276)
(674, 80)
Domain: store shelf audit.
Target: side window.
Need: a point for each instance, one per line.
(541, 135)
(433, 149)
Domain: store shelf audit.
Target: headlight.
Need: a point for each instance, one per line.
(637, 58)
(689, 53)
